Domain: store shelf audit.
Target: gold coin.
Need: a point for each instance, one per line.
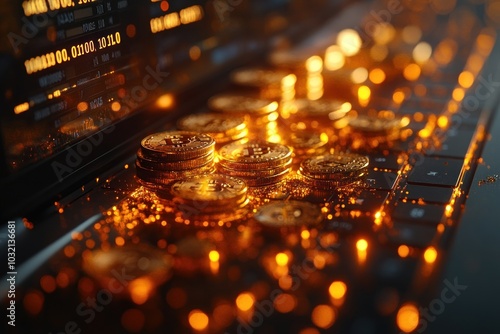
(213, 188)
(237, 212)
(267, 180)
(307, 140)
(177, 145)
(253, 173)
(334, 166)
(333, 110)
(289, 214)
(254, 154)
(332, 183)
(165, 177)
(241, 104)
(136, 260)
(376, 126)
(258, 77)
(213, 123)
(174, 165)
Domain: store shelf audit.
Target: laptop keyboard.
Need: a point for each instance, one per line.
(361, 258)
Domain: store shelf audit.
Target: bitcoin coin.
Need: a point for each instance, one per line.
(289, 214)
(250, 173)
(210, 189)
(165, 177)
(241, 104)
(254, 154)
(334, 166)
(376, 126)
(214, 124)
(258, 77)
(174, 165)
(177, 145)
(324, 108)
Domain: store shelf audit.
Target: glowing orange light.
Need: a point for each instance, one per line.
(398, 97)
(403, 251)
(430, 255)
(82, 106)
(116, 106)
(245, 301)
(165, 101)
(442, 121)
(337, 289)
(334, 58)
(466, 79)
(349, 42)
(281, 259)
(21, 108)
(362, 245)
(314, 64)
(305, 234)
(407, 318)
(412, 72)
(48, 283)
(164, 6)
(194, 53)
(458, 94)
(285, 303)
(378, 218)
(377, 76)
(119, 241)
(323, 316)
(422, 52)
(359, 75)
(33, 302)
(364, 94)
(214, 256)
(130, 30)
(140, 290)
(198, 320)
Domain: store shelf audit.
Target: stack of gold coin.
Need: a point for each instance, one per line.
(333, 170)
(266, 82)
(259, 163)
(306, 143)
(166, 156)
(323, 114)
(260, 115)
(210, 197)
(220, 127)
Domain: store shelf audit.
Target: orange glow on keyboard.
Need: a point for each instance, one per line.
(198, 320)
(407, 318)
(430, 255)
(403, 251)
(337, 289)
(19, 109)
(245, 301)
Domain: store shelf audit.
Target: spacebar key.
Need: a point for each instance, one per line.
(437, 171)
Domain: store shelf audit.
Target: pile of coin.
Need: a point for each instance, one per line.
(330, 171)
(266, 82)
(221, 128)
(306, 143)
(166, 156)
(372, 130)
(322, 114)
(259, 163)
(260, 115)
(210, 198)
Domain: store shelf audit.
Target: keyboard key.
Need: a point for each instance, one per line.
(366, 201)
(381, 161)
(455, 144)
(349, 225)
(411, 234)
(381, 180)
(410, 212)
(427, 194)
(436, 171)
